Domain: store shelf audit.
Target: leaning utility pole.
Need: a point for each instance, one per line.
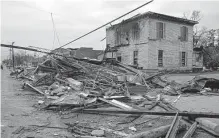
(12, 56)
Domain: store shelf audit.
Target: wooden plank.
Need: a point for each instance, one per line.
(169, 107)
(156, 132)
(208, 124)
(153, 105)
(129, 68)
(191, 130)
(164, 113)
(37, 90)
(116, 104)
(174, 127)
(122, 134)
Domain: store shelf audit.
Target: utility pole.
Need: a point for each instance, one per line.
(13, 56)
(10, 58)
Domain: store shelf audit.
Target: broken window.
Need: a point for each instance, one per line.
(184, 33)
(183, 59)
(160, 58)
(135, 57)
(135, 31)
(160, 27)
(118, 36)
(119, 57)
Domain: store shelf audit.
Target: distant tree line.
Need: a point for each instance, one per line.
(20, 59)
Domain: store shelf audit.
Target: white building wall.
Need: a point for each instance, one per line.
(171, 46)
(140, 44)
(148, 46)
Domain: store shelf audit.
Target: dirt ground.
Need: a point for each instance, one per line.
(20, 118)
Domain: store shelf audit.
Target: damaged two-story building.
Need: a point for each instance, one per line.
(153, 41)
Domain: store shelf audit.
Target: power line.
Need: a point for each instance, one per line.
(54, 37)
(55, 32)
(32, 49)
(106, 24)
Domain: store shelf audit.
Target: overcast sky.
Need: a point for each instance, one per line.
(28, 23)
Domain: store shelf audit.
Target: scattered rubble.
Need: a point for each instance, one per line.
(81, 87)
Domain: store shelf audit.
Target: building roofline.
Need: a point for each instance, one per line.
(155, 15)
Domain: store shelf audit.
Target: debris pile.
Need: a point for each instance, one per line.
(116, 100)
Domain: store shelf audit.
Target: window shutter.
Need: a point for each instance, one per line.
(157, 30)
(181, 33)
(180, 59)
(186, 33)
(186, 58)
(164, 30)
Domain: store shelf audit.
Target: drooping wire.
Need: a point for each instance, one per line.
(106, 24)
(54, 37)
(55, 31)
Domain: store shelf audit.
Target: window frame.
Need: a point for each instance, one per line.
(184, 33)
(183, 59)
(119, 57)
(160, 58)
(135, 57)
(136, 31)
(161, 30)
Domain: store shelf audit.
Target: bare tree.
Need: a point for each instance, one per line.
(194, 15)
(199, 33)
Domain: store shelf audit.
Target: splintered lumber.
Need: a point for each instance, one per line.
(84, 107)
(169, 107)
(164, 113)
(25, 77)
(37, 90)
(174, 127)
(208, 124)
(156, 132)
(122, 134)
(150, 77)
(117, 104)
(152, 105)
(129, 68)
(77, 85)
(191, 130)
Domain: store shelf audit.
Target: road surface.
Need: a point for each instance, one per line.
(18, 116)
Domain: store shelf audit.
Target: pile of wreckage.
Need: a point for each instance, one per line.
(97, 90)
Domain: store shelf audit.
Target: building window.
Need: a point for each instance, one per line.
(184, 33)
(135, 31)
(160, 27)
(118, 36)
(183, 59)
(135, 58)
(160, 58)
